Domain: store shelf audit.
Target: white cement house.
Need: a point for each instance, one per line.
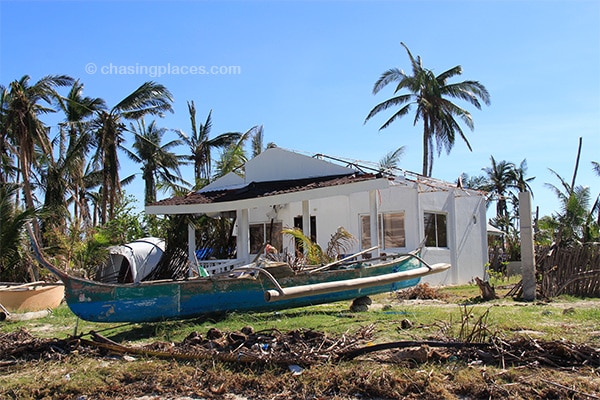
(283, 189)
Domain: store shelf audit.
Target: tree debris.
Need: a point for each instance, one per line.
(305, 348)
(488, 292)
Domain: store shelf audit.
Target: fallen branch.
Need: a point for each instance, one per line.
(591, 396)
(6, 316)
(350, 354)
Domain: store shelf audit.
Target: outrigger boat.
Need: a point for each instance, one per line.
(259, 286)
(33, 296)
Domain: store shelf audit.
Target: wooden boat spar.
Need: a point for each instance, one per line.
(251, 288)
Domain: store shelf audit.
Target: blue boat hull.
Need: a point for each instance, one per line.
(244, 292)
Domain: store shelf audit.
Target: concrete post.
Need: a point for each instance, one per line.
(243, 236)
(527, 249)
(374, 221)
(306, 219)
(191, 249)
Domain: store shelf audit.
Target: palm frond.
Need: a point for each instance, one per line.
(150, 98)
(341, 242)
(312, 251)
(391, 75)
(390, 160)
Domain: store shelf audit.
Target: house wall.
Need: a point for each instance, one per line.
(467, 239)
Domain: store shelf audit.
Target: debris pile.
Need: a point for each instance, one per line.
(306, 347)
(422, 291)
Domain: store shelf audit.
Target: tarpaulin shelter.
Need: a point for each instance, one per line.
(131, 262)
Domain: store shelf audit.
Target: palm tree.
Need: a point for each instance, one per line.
(234, 157)
(78, 110)
(7, 169)
(575, 215)
(26, 131)
(57, 176)
(390, 161)
(12, 222)
(472, 182)
(149, 99)
(160, 166)
(201, 145)
(500, 178)
(520, 183)
(429, 93)
(596, 167)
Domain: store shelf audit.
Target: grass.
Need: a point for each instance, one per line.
(108, 376)
(506, 316)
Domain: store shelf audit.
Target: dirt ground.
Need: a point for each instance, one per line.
(303, 364)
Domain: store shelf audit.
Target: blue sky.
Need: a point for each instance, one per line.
(305, 71)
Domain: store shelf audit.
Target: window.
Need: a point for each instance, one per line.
(312, 229)
(391, 229)
(435, 230)
(265, 232)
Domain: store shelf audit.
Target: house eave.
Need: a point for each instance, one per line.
(282, 198)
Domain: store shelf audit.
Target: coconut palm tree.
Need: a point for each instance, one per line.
(430, 93)
(7, 167)
(12, 223)
(234, 157)
(257, 141)
(78, 112)
(521, 181)
(26, 131)
(390, 161)
(201, 145)
(575, 215)
(57, 176)
(500, 180)
(149, 99)
(160, 166)
(472, 182)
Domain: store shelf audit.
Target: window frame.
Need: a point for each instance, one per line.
(277, 239)
(365, 229)
(440, 241)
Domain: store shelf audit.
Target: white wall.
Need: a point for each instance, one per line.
(466, 222)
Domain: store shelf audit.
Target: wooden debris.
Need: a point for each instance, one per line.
(6, 316)
(307, 347)
(488, 292)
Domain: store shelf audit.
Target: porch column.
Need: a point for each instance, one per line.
(242, 240)
(374, 221)
(306, 218)
(191, 248)
(453, 237)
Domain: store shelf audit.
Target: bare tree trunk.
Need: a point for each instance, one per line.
(576, 165)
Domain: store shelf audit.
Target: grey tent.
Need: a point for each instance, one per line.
(131, 262)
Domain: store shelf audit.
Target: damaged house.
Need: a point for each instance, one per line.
(397, 212)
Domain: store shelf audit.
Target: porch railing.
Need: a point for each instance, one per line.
(213, 267)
